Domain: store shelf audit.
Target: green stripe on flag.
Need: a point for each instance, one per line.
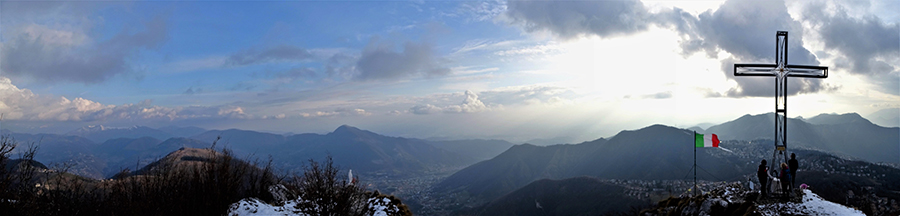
(698, 140)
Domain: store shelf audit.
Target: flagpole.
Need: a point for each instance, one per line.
(695, 163)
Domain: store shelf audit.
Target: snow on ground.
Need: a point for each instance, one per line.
(381, 207)
(812, 205)
(254, 206)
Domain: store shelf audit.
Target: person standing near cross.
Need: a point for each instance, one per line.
(781, 70)
(793, 165)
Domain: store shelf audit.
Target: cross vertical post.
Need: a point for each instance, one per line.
(781, 70)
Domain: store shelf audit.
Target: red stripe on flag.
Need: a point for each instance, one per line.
(715, 140)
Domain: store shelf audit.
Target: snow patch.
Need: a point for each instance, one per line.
(254, 206)
(381, 207)
(812, 205)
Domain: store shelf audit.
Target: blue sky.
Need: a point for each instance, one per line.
(515, 70)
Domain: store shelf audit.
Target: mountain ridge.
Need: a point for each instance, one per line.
(561, 197)
(847, 134)
(100, 133)
(656, 152)
(838, 133)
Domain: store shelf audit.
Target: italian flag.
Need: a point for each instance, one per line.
(706, 140)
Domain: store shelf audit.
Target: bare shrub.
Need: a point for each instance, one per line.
(185, 182)
(323, 192)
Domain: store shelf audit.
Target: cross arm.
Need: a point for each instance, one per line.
(808, 71)
(754, 69)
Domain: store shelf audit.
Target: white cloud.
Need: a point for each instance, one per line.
(529, 95)
(425, 109)
(231, 111)
(338, 112)
(278, 116)
(495, 47)
(541, 49)
(491, 100)
(470, 104)
(482, 10)
(395, 112)
(22, 104)
(470, 70)
(470, 46)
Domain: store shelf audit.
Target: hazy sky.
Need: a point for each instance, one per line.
(515, 70)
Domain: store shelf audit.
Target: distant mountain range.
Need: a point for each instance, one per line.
(655, 152)
(100, 133)
(350, 147)
(135, 153)
(660, 152)
(886, 117)
(846, 134)
(493, 168)
(370, 152)
(862, 185)
(111, 149)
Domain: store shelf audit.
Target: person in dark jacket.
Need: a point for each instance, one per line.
(763, 174)
(785, 179)
(792, 164)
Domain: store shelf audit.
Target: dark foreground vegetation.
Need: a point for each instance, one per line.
(186, 182)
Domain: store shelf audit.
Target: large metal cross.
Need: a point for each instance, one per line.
(781, 70)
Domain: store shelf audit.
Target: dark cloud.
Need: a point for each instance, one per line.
(51, 55)
(569, 19)
(860, 40)
(379, 61)
(866, 46)
(272, 54)
(745, 29)
(341, 65)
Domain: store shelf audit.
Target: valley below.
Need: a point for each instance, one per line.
(622, 174)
